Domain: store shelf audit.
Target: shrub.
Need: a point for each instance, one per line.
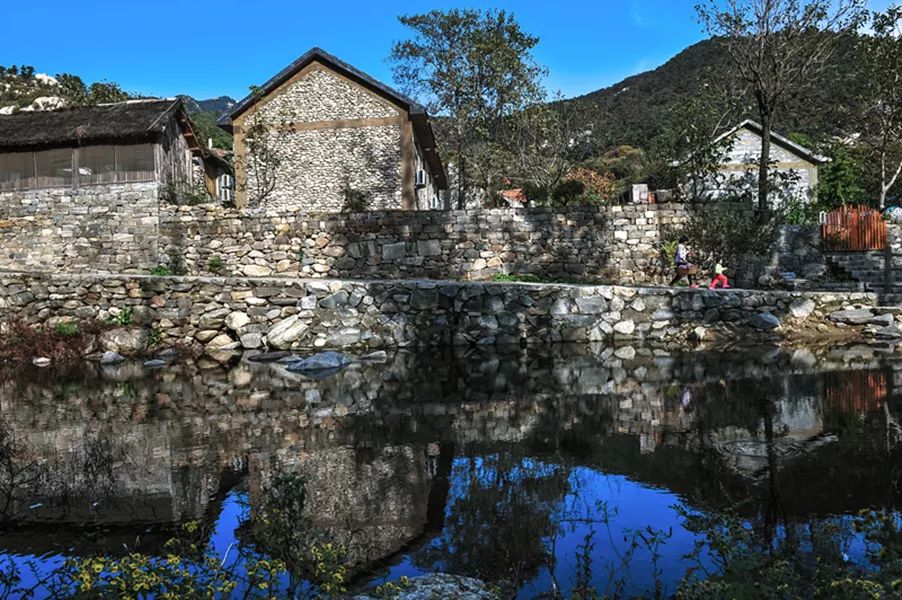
(355, 200)
(123, 318)
(600, 187)
(161, 271)
(186, 194)
(21, 342)
(67, 328)
(215, 264)
(726, 231)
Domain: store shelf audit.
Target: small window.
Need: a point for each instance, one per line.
(16, 170)
(135, 163)
(96, 164)
(53, 168)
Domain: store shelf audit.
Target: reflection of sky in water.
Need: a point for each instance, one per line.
(805, 417)
(632, 507)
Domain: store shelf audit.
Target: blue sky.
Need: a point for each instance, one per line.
(207, 49)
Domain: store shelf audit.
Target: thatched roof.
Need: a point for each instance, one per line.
(124, 122)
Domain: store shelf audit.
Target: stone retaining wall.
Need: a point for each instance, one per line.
(612, 243)
(218, 314)
(106, 228)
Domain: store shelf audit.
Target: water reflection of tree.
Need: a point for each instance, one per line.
(63, 481)
(501, 513)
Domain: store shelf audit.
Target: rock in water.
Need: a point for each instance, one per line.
(321, 361)
(40, 361)
(764, 321)
(155, 363)
(269, 356)
(111, 358)
(440, 585)
(890, 332)
(852, 316)
(882, 320)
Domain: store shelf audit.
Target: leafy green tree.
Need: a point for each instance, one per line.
(686, 154)
(476, 69)
(777, 47)
(843, 180)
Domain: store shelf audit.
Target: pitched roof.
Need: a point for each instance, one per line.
(418, 116)
(776, 138)
(320, 55)
(131, 121)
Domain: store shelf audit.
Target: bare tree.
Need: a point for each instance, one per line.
(882, 95)
(260, 162)
(539, 141)
(778, 47)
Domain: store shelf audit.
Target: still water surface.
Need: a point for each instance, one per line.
(496, 465)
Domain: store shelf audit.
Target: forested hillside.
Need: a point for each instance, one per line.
(634, 110)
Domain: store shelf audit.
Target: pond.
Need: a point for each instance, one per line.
(536, 470)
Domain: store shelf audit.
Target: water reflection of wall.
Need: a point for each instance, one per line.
(363, 436)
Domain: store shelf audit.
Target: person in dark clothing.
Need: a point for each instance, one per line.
(684, 268)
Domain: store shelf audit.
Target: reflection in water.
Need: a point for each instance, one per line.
(499, 466)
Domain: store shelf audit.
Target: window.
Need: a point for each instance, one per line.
(96, 164)
(135, 163)
(53, 168)
(16, 170)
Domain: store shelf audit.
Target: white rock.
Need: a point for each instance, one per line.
(237, 320)
(625, 327)
(286, 331)
(221, 342)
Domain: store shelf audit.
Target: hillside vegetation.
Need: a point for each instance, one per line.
(21, 88)
(635, 110)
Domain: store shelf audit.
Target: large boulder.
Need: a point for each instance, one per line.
(286, 331)
(852, 316)
(764, 321)
(125, 341)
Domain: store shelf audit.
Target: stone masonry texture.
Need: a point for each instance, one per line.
(610, 243)
(317, 165)
(106, 228)
(217, 314)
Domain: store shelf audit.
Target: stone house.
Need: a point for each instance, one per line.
(793, 166)
(81, 187)
(322, 135)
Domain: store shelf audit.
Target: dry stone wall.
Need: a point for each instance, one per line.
(611, 243)
(109, 228)
(219, 314)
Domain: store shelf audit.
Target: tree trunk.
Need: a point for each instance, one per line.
(764, 164)
(461, 185)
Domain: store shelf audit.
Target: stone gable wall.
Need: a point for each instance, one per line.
(317, 165)
(611, 243)
(98, 228)
(321, 95)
